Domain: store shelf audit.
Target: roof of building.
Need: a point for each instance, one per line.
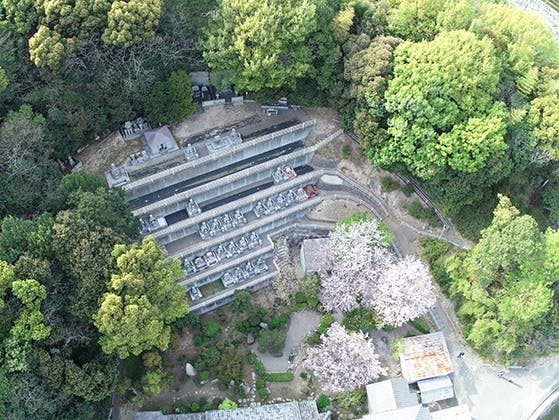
(425, 356)
(389, 395)
(415, 412)
(309, 252)
(459, 412)
(294, 410)
(435, 389)
(157, 137)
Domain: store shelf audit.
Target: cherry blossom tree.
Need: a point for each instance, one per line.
(357, 269)
(343, 360)
(403, 292)
(349, 264)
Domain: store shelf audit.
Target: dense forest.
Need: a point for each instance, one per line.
(462, 95)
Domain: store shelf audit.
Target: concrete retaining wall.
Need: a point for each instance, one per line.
(211, 162)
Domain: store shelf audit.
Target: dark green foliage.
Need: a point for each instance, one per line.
(407, 190)
(170, 100)
(360, 319)
(279, 377)
(278, 322)
(300, 297)
(388, 184)
(210, 328)
(71, 186)
(208, 358)
(322, 403)
(421, 325)
(231, 365)
(242, 301)
(434, 251)
(425, 214)
(325, 323)
(551, 201)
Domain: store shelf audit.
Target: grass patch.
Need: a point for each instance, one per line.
(425, 214)
(279, 377)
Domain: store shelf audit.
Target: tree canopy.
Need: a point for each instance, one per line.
(142, 301)
(506, 283)
(250, 37)
(440, 106)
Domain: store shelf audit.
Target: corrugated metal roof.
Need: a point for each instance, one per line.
(389, 395)
(425, 356)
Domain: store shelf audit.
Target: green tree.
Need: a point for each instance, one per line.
(143, 300)
(70, 185)
(505, 283)
(440, 105)
(520, 37)
(170, 100)
(47, 47)
(27, 174)
(83, 253)
(341, 24)
(544, 117)
(130, 22)
(360, 319)
(242, 301)
(21, 14)
(416, 20)
(250, 37)
(231, 365)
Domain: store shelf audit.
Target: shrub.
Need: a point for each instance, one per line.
(203, 375)
(279, 377)
(396, 348)
(346, 151)
(325, 322)
(388, 184)
(322, 403)
(198, 341)
(425, 214)
(351, 399)
(227, 404)
(303, 375)
(231, 365)
(300, 297)
(194, 407)
(359, 319)
(220, 313)
(263, 393)
(260, 383)
(242, 301)
(210, 328)
(407, 190)
(278, 322)
(421, 325)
